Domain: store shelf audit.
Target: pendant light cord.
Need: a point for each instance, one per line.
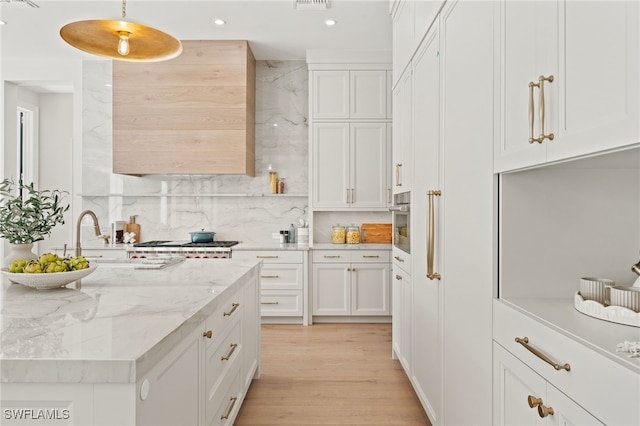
(124, 8)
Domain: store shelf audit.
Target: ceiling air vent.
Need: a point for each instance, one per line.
(311, 4)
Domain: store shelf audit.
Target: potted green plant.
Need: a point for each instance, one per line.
(28, 215)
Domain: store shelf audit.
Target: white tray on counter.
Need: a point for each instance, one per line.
(611, 313)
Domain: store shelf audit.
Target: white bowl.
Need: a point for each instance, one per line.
(627, 297)
(48, 281)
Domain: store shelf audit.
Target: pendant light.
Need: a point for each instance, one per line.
(121, 40)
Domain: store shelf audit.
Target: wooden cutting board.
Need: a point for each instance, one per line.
(379, 233)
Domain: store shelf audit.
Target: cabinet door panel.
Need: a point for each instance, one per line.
(529, 49)
(330, 165)
(369, 165)
(566, 412)
(513, 383)
(330, 94)
(368, 94)
(598, 79)
(331, 290)
(370, 289)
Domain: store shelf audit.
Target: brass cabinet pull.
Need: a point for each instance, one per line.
(351, 269)
(398, 183)
(543, 410)
(269, 303)
(228, 355)
(269, 276)
(533, 401)
(525, 342)
(353, 196)
(371, 257)
(331, 257)
(226, 415)
(398, 258)
(348, 196)
(541, 109)
(208, 334)
(267, 257)
(234, 306)
(389, 195)
(398, 277)
(432, 229)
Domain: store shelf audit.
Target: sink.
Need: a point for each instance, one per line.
(159, 262)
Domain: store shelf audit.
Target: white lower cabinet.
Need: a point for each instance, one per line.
(282, 283)
(350, 283)
(522, 397)
(205, 378)
(402, 294)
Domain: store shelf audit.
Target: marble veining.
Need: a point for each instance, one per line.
(281, 140)
(116, 326)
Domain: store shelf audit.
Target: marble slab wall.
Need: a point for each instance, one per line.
(236, 207)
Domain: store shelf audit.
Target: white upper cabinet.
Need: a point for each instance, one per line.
(569, 80)
(350, 166)
(402, 145)
(349, 94)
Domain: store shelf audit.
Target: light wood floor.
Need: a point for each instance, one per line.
(330, 374)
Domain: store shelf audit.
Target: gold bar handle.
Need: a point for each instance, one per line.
(234, 306)
(353, 196)
(226, 415)
(267, 257)
(542, 109)
(348, 201)
(371, 257)
(269, 276)
(233, 347)
(531, 112)
(525, 342)
(331, 257)
(269, 303)
(432, 230)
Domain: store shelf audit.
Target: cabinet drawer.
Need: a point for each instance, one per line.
(281, 303)
(220, 358)
(370, 256)
(401, 259)
(348, 256)
(605, 388)
(223, 406)
(223, 317)
(270, 256)
(281, 277)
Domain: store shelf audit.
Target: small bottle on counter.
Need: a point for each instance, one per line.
(281, 237)
(292, 234)
(286, 236)
(281, 186)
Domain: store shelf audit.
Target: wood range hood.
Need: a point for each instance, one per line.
(194, 114)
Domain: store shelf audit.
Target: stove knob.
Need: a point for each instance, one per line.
(196, 257)
(205, 257)
(187, 257)
(143, 257)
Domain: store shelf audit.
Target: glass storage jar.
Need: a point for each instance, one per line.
(338, 234)
(353, 234)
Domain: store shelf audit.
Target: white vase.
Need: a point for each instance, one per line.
(19, 251)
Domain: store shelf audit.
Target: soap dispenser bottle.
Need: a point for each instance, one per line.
(134, 227)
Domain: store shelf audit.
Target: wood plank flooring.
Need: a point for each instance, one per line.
(330, 374)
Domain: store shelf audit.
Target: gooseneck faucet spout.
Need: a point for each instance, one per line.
(95, 226)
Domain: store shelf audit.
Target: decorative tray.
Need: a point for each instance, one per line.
(611, 313)
(48, 281)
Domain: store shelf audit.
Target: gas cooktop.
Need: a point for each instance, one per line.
(186, 244)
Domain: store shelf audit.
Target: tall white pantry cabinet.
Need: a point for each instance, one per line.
(448, 125)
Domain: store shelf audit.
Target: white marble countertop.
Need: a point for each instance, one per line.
(115, 326)
(600, 335)
(330, 246)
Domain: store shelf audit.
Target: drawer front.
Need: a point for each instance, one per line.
(270, 256)
(281, 303)
(401, 259)
(223, 317)
(370, 256)
(331, 256)
(220, 358)
(603, 387)
(222, 406)
(281, 276)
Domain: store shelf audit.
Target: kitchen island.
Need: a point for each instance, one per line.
(178, 345)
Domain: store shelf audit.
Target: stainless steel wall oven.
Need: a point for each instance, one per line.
(401, 220)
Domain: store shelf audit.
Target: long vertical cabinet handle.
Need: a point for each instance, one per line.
(432, 229)
(541, 109)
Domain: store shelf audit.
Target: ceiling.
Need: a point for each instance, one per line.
(275, 29)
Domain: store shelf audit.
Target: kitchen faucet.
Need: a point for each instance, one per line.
(95, 226)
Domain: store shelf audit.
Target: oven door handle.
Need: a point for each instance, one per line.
(401, 208)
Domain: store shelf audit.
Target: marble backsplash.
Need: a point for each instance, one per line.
(236, 207)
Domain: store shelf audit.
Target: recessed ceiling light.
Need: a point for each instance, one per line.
(219, 21)
(330, 22)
